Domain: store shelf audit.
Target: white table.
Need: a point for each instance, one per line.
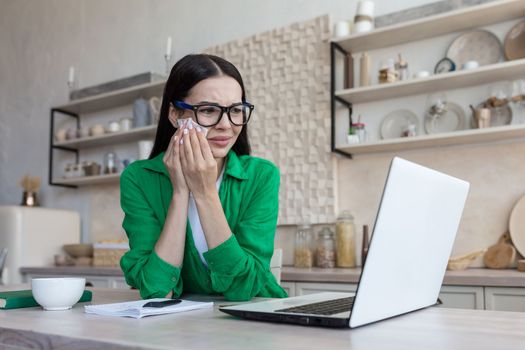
(432, 328)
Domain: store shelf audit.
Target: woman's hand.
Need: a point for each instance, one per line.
(172, 162)
(198, 165)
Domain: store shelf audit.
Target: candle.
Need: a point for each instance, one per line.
(71, 77)
(168, 47)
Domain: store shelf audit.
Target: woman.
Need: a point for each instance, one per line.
(201, 213)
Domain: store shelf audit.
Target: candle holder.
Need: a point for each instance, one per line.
(167, 59)
(71, 85)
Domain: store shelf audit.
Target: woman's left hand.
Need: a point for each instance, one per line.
(198, 165)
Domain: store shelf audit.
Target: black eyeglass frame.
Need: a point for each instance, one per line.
(194, 108)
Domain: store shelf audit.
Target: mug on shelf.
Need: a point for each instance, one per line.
(145, 147)
(113, 126)
(97, 130)
(61, 135)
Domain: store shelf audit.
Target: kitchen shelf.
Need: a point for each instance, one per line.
(432, 26)
(110, 138)
(500, 133)
(113, 99)
(75, 109)
(406, 32)
(89, 180)
(446, 81)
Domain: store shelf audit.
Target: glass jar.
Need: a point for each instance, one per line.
(345, 240)
(325, 253)
(303, 256)
(110, 163)
(68, 171)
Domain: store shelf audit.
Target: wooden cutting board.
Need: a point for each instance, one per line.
(500, 255)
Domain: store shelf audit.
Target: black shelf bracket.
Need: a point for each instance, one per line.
(334, 49)
(52, 146)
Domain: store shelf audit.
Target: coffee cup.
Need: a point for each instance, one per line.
(341, 29)
(56, 294)
(113, 126)
(97, 130)
(61, 135)
(145, 147)
(470, 65)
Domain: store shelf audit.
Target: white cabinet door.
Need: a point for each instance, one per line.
(100, 282)
(119, 282)
(289, 287)
(462, 297)
(505, 298)
(310, 288)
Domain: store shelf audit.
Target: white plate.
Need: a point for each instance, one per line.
(479, 45)
(517, 226)
(396, 123)
(514, 40)
(452, 120)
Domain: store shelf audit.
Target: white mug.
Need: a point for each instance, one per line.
(342, 28)
(363, 26)
(145, 147)
(470, 65)
(365, 8)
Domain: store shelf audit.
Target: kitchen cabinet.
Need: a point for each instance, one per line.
(302, 288)
(505, 299)
(84, 108)
(458, 297)
(502, 290)
(95, 281)
(462, 297)
(409, 32)
(289, 287)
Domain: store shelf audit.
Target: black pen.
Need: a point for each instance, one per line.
(162, 303)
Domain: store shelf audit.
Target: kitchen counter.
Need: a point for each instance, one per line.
(431, 328)
(469, 277)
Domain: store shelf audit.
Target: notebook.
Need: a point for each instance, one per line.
(415, 228)
(137, 310)
(24, 298)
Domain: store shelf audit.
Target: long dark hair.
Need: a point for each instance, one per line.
(185, 74)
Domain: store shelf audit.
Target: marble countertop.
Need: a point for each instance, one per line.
(469, 277)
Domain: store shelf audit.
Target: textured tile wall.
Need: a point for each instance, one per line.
(287, 76)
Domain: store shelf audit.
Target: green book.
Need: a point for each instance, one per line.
(24, 298)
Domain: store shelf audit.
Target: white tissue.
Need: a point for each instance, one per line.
(181, 122)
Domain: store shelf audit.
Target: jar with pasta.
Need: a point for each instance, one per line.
(325, 252)
(303, 256)
(345, 240)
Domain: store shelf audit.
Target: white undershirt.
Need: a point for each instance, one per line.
(195, 223)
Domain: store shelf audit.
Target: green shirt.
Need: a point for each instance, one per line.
(238, 268)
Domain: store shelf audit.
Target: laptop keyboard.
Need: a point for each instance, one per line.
(329, 307)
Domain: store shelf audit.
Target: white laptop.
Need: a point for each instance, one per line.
(411, 243)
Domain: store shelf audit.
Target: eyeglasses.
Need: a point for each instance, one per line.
(210, 114)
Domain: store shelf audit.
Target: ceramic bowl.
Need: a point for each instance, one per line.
(79, 250)
(56, 294)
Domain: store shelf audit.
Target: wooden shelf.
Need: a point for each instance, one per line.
(432, 26)
(110, 138)
(446, 81)
(114, 99)
(89, 180)
(500, 133)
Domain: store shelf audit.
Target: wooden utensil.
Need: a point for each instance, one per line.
(501, 255)
(463, 261)
(521, 265)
